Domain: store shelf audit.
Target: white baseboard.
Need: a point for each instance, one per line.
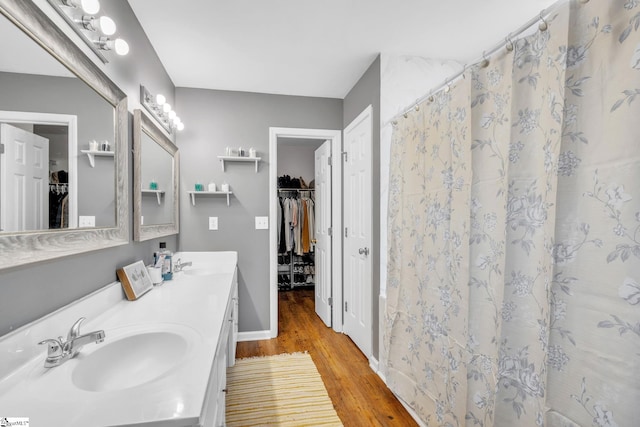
(373, 364)
(254, 336)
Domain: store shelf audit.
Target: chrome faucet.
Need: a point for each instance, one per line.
(59, 352)
(180, 265)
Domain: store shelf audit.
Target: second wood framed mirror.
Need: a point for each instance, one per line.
(156, 172)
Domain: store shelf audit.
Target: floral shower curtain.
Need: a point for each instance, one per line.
(513, 294)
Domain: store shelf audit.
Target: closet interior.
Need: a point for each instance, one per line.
(296, 214)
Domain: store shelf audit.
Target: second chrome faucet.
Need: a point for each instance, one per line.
(59, 352)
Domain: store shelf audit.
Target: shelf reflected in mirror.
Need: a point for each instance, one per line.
(156, 175)
(59, 103)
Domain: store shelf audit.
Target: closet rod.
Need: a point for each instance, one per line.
(296, 189)
(545, 13)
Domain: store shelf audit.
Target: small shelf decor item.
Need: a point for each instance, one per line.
(135, 280)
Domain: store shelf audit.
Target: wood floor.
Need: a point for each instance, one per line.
(358, 394)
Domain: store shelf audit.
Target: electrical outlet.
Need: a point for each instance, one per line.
(86, 221)
(262, 223)
(213, 223)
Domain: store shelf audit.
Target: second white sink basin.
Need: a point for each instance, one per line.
(131, 360)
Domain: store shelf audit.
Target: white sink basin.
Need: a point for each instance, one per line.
(131, 360)
(199, 272)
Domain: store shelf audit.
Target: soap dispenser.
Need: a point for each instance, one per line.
(165, 261)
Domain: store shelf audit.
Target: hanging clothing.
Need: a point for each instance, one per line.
(58, 205)
(296, 220)
(305, 228)
(281, 242)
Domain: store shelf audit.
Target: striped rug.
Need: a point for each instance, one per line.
(283, 390)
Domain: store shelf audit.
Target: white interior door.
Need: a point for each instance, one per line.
(322, 236)
(357, 231)
(24, 192)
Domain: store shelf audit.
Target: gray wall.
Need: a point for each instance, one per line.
(215, 120)
(297, 159)
(30, 292)
(367, 92)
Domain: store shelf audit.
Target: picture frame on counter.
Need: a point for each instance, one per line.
(135, 280)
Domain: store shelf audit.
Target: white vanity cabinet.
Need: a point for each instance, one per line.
(215, 400)
(197, 310)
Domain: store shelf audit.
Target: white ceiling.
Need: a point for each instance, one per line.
(316, 48)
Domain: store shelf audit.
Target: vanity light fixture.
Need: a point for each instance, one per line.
(88, 6)
(160, 110)
(94, 30)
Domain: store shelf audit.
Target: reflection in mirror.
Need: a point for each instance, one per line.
(156, 173)
(45, 113)
(54, 100)
(155, 192)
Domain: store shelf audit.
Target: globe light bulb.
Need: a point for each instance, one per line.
(106, 25)
(121, 47)
(90, 6)
(166, 108)
(172, 114)
(180, 126)
(160, 99)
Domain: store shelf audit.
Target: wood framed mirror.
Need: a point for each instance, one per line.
(20, 245)
(156, 164)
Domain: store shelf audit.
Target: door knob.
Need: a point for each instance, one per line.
(314, 241)
(363, 251)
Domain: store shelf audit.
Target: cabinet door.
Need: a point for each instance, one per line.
(233, 334)
(221, 367)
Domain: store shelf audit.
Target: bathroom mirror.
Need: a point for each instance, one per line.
(156, 163)
(67, 100)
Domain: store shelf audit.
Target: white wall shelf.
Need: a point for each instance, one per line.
(92, 154)
(158, 193)
(212, 193)
(223, 159)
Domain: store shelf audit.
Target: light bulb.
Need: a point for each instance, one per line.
(90, 6)
(176, 120)
(106, 25)
(166, 108)
(180, 126)
(172, 114)
(121, 47)
(160, 99)
(103, 23)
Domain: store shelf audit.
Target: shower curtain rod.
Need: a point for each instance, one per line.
(486, 54)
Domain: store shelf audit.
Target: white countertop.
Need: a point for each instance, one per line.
(191, 305)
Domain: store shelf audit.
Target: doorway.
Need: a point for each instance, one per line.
(61, 131)
(284, 135)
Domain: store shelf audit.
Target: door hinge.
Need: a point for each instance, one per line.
(345, 155)
(329, 160)
(330, 302)
(329, 231)
(345, 307)
(1, 148)
(346, 233)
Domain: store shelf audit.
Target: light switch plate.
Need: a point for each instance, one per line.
(262, 223)
(86, 221)
(213, 223)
